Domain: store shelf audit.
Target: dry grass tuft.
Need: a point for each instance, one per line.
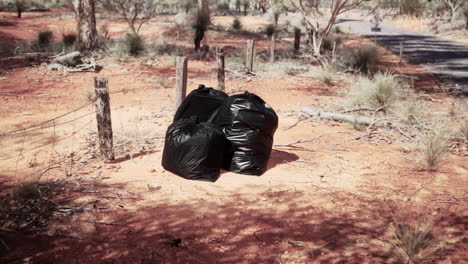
(463, 130)
(383, 91)
(433, 148)
(414, 242)
(325, 73)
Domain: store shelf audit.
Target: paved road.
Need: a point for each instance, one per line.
(448, 60)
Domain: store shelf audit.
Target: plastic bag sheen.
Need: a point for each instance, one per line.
(249, 124)
(201, 103)
(194, 150)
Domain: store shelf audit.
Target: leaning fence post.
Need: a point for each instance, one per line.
(401, 52)
(272, 48)
(103, 117)
(297, 40)
(250, 55)
(181, 80)
(220, 62)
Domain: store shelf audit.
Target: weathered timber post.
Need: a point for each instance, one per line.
(401, 52)
(250, 55)
(103, 117)
(297, 40)
(220, 62)
(181, 80)
(272, 48)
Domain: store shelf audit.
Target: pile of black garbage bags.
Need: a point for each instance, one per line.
(212, 130)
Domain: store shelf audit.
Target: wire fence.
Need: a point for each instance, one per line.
(34, 150)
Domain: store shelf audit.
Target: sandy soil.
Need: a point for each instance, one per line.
(338, 198)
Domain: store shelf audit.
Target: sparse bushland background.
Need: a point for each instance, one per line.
(379, 175)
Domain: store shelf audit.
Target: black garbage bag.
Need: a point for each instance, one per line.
(201, 103)
(194, 150)
(249, 124)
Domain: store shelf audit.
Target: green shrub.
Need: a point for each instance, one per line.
(69, 39)
(224, 6)
(245, 5)
(364, 59)
(236, 24)
(337, 30)
(433, 146)
(160, 47)
(188, 4)
(134, 44)
(270, 30)
(331, 40)
(44, 38)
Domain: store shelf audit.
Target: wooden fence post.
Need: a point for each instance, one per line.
(103, 117)
(401, 52)
(220, 62)
(250, 55)
(297, 40)
(272, 48)
(181, 80)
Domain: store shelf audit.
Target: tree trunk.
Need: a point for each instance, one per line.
(203, 6)
(86, 25)
(19, 12)
(316, 43)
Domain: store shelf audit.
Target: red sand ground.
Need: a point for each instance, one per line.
(337, 201)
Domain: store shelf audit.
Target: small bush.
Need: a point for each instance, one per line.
(364, 59)
(325, 73)
(134, 44)
(337, 30)
(463, 130)
(236, 24)
(69, 39)
(188, 4)
(385, 90)
(331, 41)
(44, 38)
(270, 30)
(28, 191)
(245, 5)
(380, 92)
(160, 47)
(433, 148)
(414, 242)
(465, 14)
(224, 6)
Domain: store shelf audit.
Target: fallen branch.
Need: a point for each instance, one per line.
(101, 223)
(68, 59)
(61, 235)
(362, 120)
(430, 98)
(446, 202)
(30, 95)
